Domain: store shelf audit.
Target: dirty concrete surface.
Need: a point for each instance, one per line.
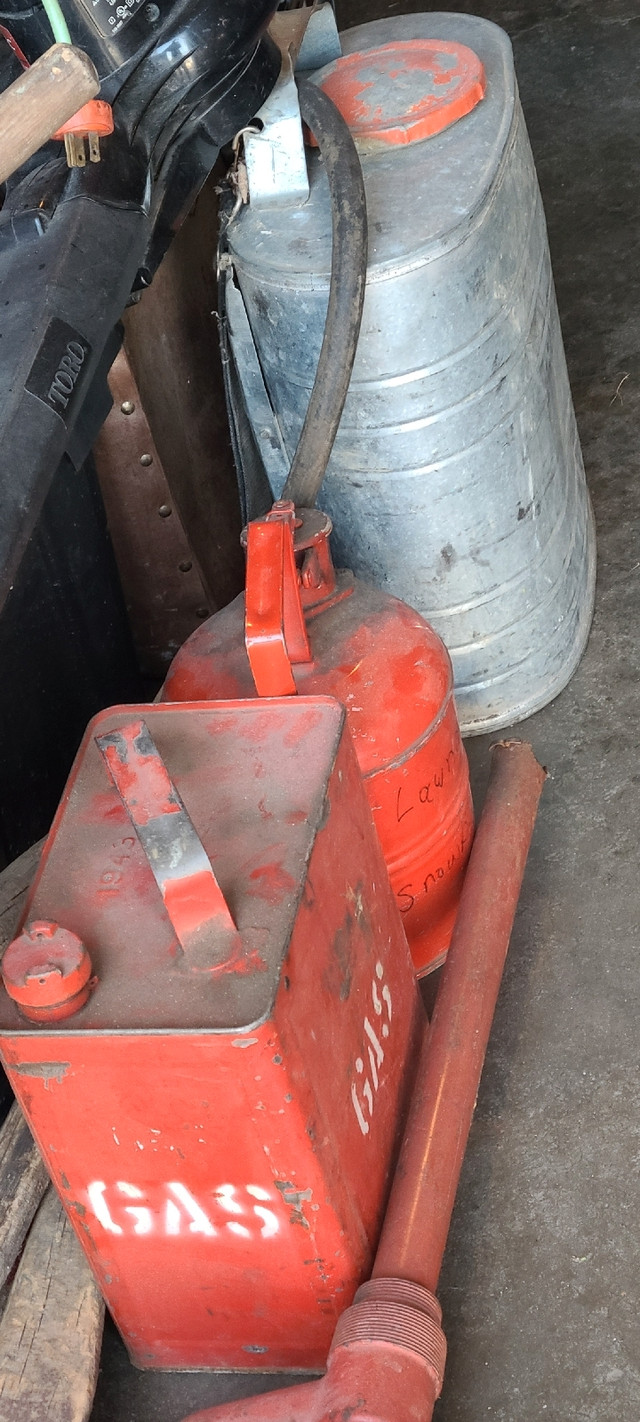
(540, 1282)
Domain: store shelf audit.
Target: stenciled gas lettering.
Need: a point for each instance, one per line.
(172, 1210)
(64, 381)
(368, 1066)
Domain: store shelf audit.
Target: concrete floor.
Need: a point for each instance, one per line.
(540, 1282)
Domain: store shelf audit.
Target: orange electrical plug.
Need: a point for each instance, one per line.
(93, 122)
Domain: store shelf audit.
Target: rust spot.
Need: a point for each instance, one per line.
(338, 974)
(295, 1199)
(319, 1264)
(46, 1071)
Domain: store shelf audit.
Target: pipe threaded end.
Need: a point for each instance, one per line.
(400, 1313)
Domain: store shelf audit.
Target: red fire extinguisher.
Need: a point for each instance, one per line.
(302, 627)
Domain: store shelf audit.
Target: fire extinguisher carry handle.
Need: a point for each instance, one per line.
(181, 867)
(274, 629)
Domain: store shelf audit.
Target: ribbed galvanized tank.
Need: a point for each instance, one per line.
(456, 480)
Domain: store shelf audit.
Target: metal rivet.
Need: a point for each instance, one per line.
(146, 459)
(202, 612)
(185, 566)
(164, 510)
(127, 407)
(152, 13)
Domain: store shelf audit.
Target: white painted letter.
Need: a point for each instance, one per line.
(96, 1192)
(140, 1213)
(200, 1223)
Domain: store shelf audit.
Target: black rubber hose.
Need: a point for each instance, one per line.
(346, 294)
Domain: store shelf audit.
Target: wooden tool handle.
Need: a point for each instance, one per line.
(41, 100)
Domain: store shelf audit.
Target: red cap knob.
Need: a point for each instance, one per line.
(47, 972)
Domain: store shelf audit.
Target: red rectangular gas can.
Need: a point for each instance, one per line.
(220, 1109)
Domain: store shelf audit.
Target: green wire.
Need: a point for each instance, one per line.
(57, 21)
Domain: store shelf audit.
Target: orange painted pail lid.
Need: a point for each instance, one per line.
(405, 91)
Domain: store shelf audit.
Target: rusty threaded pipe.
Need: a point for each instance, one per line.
(417, 1221)
(386, 1362)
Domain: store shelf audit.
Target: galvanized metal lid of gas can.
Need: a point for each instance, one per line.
(456, 480)
(418, 193)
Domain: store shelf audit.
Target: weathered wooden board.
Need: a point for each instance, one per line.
(51, 1328)
(23, 1181)
(14, 882)
(23, 1178)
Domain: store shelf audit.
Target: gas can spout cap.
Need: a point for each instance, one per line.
(47, 972)
(311, 532)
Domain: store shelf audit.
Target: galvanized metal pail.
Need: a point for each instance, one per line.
(456, 480)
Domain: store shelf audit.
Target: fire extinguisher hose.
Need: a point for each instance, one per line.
(346, 294)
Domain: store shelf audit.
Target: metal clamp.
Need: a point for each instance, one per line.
(275, 156)
(309, 33)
